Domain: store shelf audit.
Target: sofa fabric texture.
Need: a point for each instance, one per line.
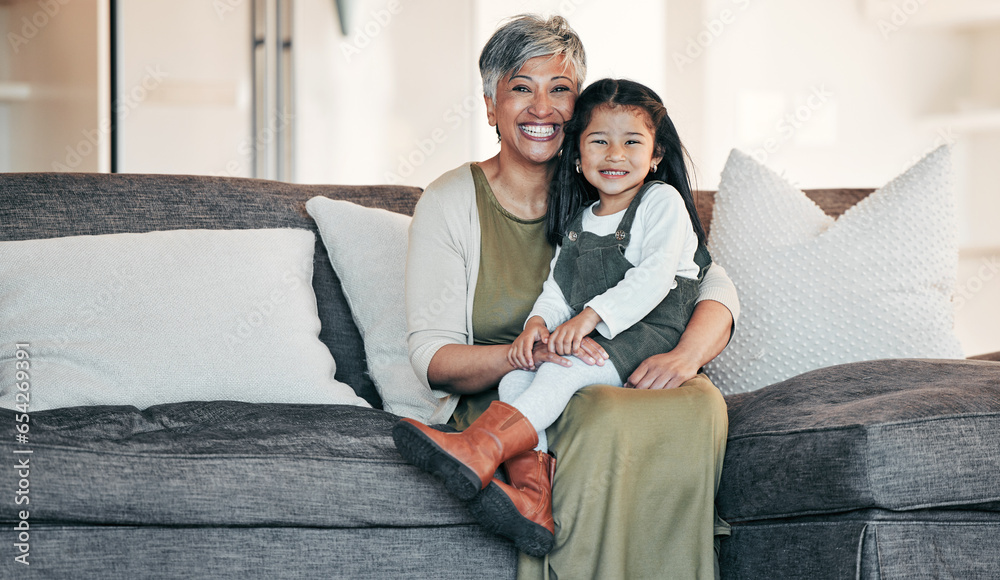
(226, 463)
(875, 470)
(893, 434)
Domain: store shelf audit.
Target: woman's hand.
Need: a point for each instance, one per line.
(706, 335)
(568, 336)
(521, 353)
(663, 371)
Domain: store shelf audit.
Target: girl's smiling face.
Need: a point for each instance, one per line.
(532, 106)
(616, 152)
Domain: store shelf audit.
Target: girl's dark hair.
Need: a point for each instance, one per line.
(570, 190)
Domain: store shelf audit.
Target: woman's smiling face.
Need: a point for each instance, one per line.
(532, 106)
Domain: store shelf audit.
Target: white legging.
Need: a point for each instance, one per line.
(542, 395)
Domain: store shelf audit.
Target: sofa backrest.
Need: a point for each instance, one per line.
(832, 201)
(49, 205)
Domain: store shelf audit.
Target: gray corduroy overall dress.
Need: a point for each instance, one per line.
(589, 265)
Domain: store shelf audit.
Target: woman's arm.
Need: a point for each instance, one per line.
(465, 369)
(439, 256)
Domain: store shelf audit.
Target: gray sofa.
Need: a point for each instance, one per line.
(882, 469)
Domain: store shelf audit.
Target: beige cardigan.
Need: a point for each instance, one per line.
(442, 265)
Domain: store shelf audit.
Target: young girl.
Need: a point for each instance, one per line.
(627, 266)
(626, 272)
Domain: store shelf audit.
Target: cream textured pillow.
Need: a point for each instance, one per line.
(815, 291)
(165, 317)
(367, 248)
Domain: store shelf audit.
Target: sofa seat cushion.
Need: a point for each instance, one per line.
(900, 434)
(222, 464)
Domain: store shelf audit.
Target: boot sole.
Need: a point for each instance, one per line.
(495, 512)
(424, 453)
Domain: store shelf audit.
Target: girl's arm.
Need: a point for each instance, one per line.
(667, 243)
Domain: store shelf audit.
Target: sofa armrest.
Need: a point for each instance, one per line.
(990, 356)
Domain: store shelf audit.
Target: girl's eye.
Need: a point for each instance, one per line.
(599, 141)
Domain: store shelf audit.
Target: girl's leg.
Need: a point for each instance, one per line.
(553, 386)
(513, 384)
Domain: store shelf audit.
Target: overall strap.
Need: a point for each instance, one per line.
(623, 233)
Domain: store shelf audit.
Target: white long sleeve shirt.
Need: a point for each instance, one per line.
(661, 246)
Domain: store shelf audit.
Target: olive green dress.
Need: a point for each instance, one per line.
(636, 471)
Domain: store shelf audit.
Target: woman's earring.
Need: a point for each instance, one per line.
(578, 170)
(652, 168)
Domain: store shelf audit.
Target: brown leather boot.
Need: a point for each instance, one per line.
(521, 511)
(466, 461)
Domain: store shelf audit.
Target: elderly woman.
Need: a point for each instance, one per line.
(633, 495)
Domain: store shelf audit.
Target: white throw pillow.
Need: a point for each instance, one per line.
(164, 317)
(367, 248)
(817, 291)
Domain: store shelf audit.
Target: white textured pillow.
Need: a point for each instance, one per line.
(164, 317)
(815, 291)
(367, 248)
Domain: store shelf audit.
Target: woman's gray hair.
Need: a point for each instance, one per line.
(523, 38)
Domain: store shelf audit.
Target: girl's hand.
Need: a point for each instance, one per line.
(590, 352)
(520, 355)
(568, 336)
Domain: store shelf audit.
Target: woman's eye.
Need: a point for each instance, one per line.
(521, 89)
